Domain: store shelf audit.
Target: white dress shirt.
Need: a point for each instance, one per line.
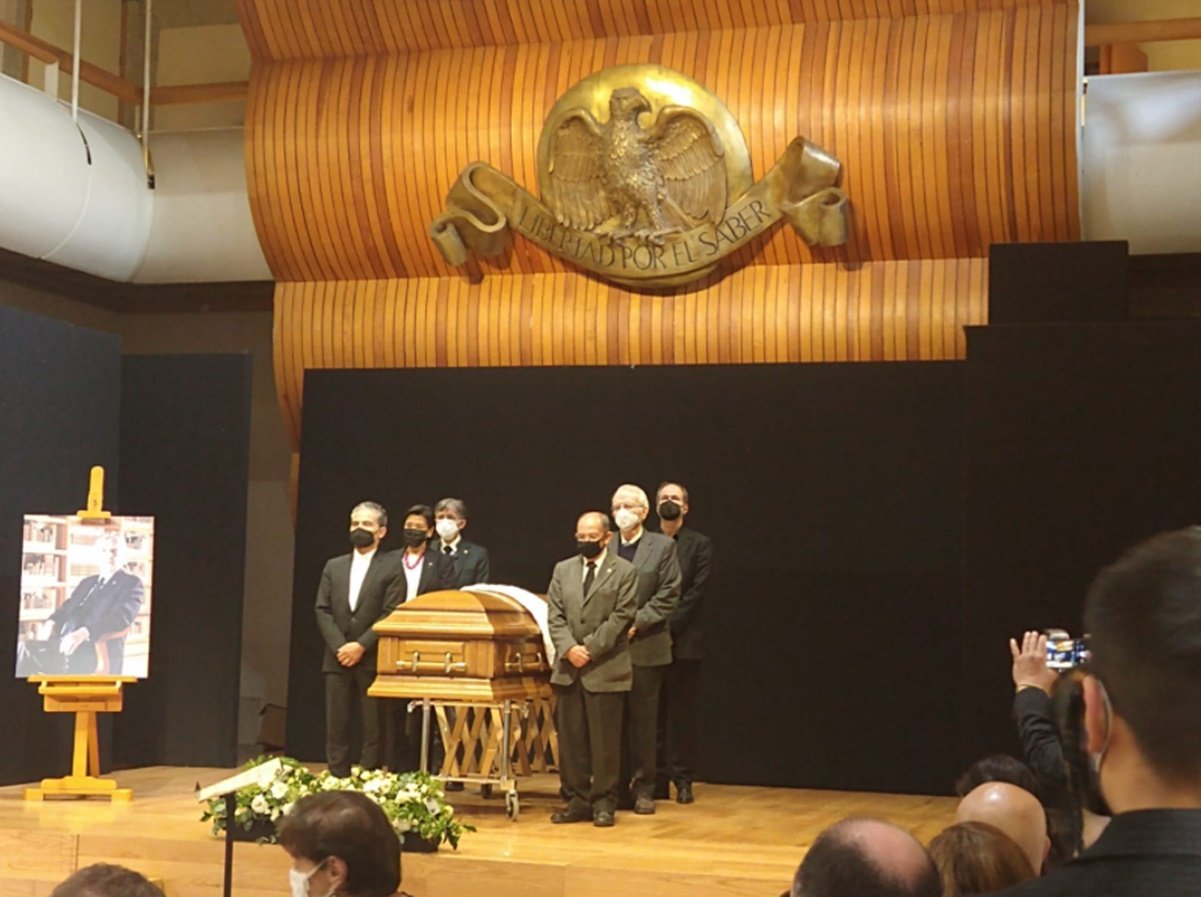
(359, 562)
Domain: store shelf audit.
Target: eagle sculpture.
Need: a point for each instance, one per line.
(620, 179)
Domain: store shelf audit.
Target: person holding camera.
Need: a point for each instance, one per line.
(1141, 697)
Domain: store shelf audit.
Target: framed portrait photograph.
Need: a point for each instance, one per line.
(85, 598)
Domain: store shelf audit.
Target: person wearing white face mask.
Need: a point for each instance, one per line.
(341, 845)
(654, 557)
(470, 561)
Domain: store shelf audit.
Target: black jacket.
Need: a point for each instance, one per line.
(693, 552)
(470, 563)
(338, 624)
(1149, 853)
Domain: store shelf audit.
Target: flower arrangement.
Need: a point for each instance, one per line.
(414, 802)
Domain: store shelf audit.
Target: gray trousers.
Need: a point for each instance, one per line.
(589, 725)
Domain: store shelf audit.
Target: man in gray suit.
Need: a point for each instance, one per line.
(654, 557)
(592, 601)
(352, 597)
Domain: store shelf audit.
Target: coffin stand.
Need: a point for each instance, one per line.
(475, 662)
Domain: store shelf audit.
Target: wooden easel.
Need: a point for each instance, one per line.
(85, 696)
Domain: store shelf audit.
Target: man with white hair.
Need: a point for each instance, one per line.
(654, 557)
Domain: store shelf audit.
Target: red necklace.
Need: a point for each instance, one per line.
(414, 565)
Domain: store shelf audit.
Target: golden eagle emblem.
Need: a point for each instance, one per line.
(619, 180)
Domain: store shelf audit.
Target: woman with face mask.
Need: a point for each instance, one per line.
(423, 571)
(341, 845)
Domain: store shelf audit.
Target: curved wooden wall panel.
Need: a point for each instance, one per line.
(954, 131)
(887, 311)
(291, 29)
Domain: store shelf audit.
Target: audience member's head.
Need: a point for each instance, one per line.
(977, 858)
(1013, 810)
(1143, 695)
(104, 880)
(859, 857)
(340, 843)
(998, 768)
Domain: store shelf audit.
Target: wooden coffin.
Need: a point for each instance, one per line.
(461, 646)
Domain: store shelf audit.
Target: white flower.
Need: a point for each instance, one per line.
(286, 809)
(402, 826)
(375, 786)
(279, 790)
(431, 805)
(259, 804)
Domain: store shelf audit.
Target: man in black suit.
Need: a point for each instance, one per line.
(591, 597)
(654, 557)
(678, 712)
(100, 610)
(470, 561)
(1142, 721)
(356, 592)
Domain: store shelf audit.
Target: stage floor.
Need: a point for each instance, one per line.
(733, 841)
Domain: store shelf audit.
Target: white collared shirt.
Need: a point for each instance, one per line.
(359, 562)
(452, 545)
(598, 560)
(633, 541)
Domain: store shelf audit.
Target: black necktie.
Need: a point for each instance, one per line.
(446, 549)
(589, 577)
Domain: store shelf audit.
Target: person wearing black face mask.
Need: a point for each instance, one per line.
(592, 599)
(678, 710)
(421, 571)
(355, 593)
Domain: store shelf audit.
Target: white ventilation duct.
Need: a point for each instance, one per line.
(77, 195)
(1141, 159)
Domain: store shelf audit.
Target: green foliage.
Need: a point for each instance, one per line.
(412, 801)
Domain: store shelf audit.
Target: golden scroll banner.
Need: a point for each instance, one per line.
(483, 204)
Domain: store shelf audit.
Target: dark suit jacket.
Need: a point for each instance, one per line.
(1149, 853)
(598, 621)
(103, 611)
(437, 574)
(470, 563)
(658, 594)
(338, 624)
(693, 552)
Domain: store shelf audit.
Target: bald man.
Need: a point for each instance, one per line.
(859, 856)
(592, 599)
(1013, 810)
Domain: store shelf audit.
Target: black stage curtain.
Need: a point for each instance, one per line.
(833, 494)
(185, 449)
(1081, 440)
(60, 389)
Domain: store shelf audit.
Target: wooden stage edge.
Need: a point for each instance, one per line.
(734, 840)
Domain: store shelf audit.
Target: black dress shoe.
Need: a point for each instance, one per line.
(684, 794)
(644, 806)
(561, 817)
(453, 786)
(603, 818)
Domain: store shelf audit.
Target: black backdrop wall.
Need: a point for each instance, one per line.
(177, 428)
(1081, 441)
(60, 389)
(185, 450)
(833, 494)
